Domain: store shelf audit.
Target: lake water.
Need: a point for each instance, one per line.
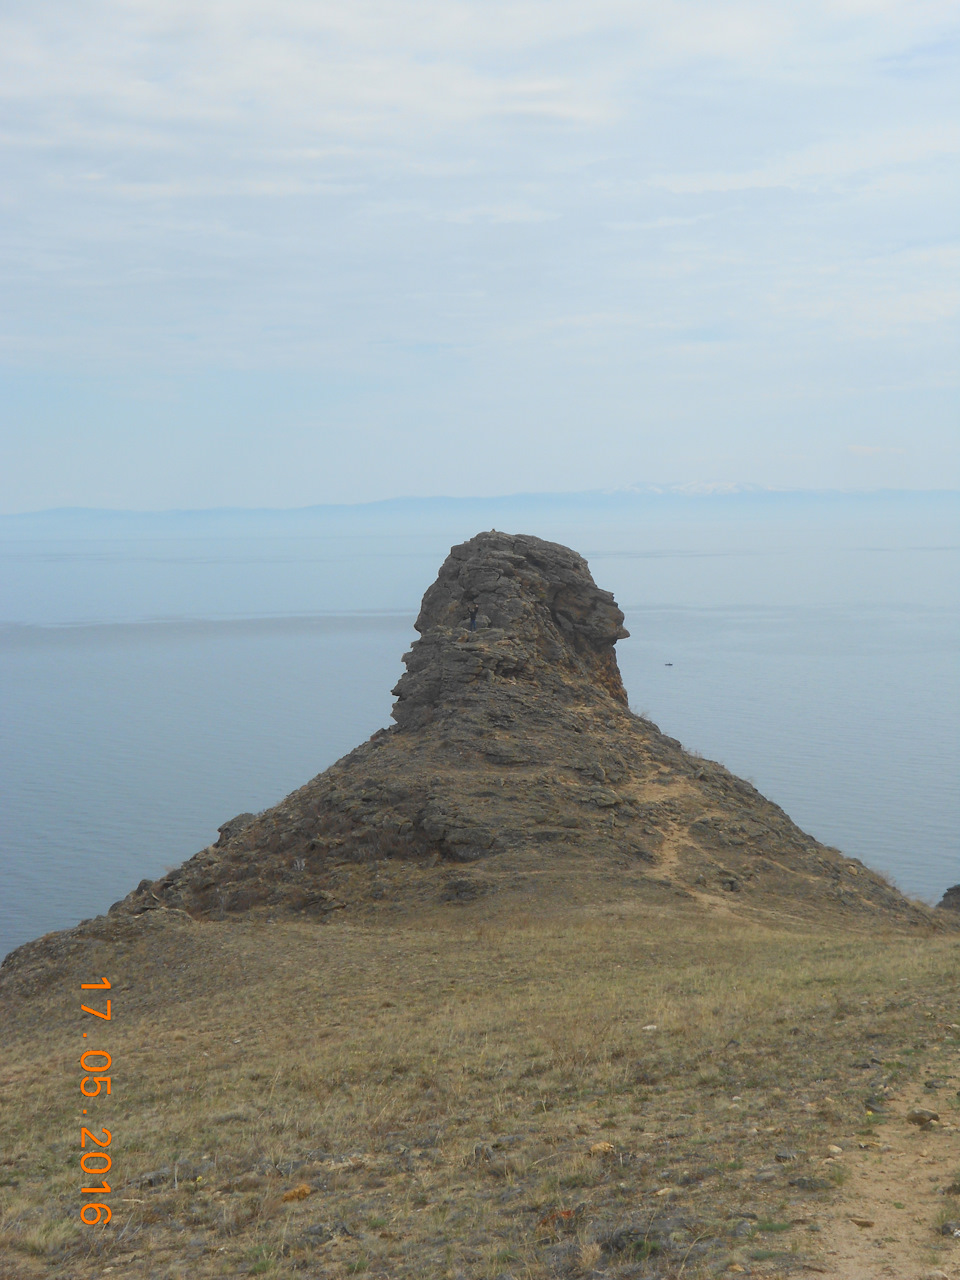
(152, 686)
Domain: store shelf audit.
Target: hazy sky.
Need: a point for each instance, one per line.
(272, 253)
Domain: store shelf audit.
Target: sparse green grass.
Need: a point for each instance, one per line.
(438, 1088)
(261, 1261)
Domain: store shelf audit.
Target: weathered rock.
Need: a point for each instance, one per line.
(921, 1116)
(950, 900)
(547, 624)
(514, 750)
(806, 1183)
(652, 1235)
(233, 827)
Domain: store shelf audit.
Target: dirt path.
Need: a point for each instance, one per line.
(892, 1189)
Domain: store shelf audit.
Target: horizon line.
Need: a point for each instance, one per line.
(690, 491)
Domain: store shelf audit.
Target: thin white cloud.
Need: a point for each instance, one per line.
(667, 223)
(495, 213)
(707, 205)
(832, 161)
(878, 296)
(358, 68)
(224, 188)
(872, 450)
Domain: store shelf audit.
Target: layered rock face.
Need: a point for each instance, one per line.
(539, 617)
(514, 750)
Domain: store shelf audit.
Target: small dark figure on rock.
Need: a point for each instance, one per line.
(474, 610)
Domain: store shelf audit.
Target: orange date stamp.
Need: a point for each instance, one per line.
(95, 1161)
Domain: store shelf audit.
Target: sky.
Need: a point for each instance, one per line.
(271, 253)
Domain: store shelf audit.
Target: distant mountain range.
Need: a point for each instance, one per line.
(710, 501)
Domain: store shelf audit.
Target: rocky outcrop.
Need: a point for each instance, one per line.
(515, 764)
(514, 750)
(951, 899)
(539, 618)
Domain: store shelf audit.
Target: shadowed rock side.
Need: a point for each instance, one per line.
(541, 622)
(514, 750)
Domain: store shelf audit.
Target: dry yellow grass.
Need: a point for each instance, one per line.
(595, 1090)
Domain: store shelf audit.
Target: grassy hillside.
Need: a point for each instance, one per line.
(605, 1087)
